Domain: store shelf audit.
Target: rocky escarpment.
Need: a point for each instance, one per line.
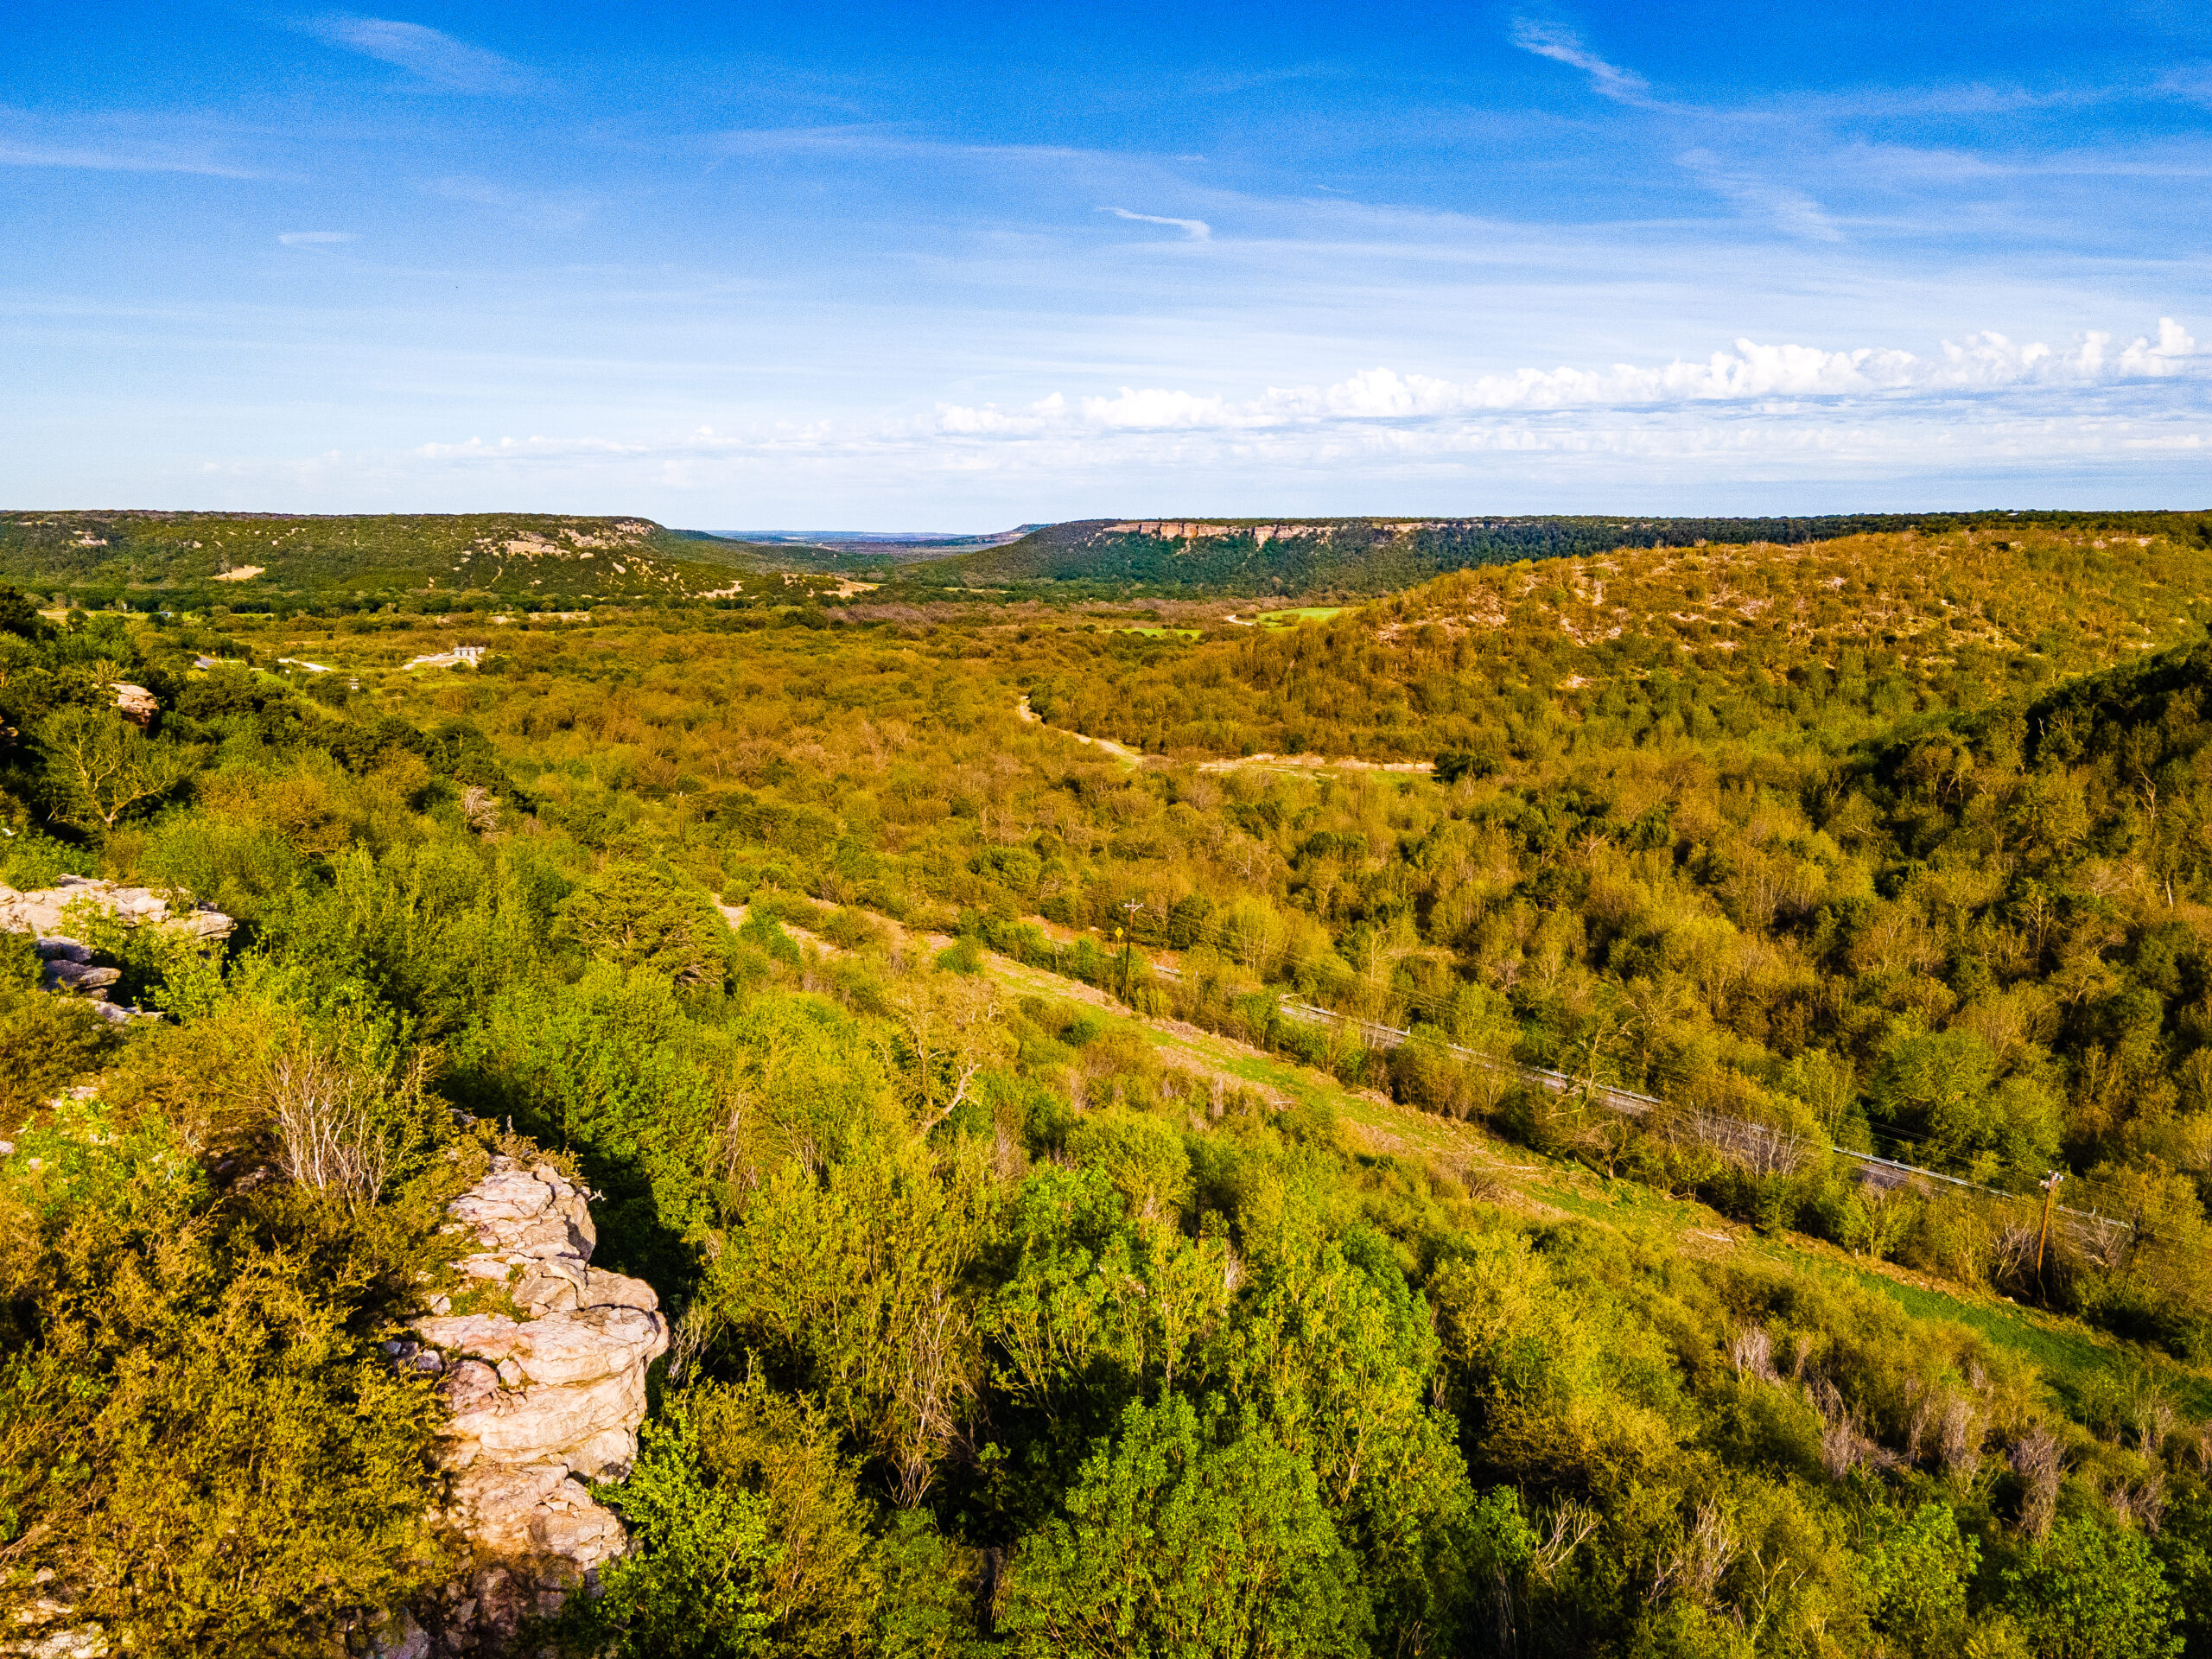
(542, 1365)
(66, 962)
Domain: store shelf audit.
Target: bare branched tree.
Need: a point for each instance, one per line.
(1843, 1447)
(930, 1390)
(481, 808)
(2041, 1459)
(1694, 1564)
(1751, 1351)
(954, 1026)
(99, 767)
(689, 1337)
(1958, 1439)
(1562, 1533)
(326, 1112)
(2154, 1420)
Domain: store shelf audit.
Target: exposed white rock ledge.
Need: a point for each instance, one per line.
(66, 963)
(537, 1405)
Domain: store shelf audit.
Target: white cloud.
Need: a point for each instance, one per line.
(1563, 45)
(1803, 424)
(428, 53)
(534, 449)
(314, 239)
(1197, 229)
(1153, 408)
(1980, 363)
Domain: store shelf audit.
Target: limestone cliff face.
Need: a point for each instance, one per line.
(540, 1399)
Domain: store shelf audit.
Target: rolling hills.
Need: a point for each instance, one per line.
(999, 1172)
(1361, 557)
(254, 561)
(1868, 628)
(191, 559)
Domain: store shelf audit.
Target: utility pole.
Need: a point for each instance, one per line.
(1131, 905)
(2050, 1185)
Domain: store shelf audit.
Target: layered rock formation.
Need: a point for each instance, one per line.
(542, 1398)
(68, 964)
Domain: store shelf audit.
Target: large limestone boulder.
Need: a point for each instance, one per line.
(40, 912)
(68, 962)
(543, 1394)
(136, 702)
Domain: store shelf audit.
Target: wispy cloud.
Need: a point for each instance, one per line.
(314, 239)
(1788, 208)
(1562, 45)
(1197, 229)
(536, 208)
(2191, 82)
(125, 159)
(428, 53)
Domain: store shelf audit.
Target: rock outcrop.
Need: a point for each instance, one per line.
(68, 962)
(541, 1398)
(136, 702)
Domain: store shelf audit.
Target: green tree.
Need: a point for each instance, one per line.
(99, 768)
(635, 916)
(695, 1584)
(198, 1439)
(2087, 1591)
(1917, 1567)
(19, 616)
(1942, 1086)
(1177, 1543)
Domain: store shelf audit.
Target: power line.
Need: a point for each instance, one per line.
(1557, 1080)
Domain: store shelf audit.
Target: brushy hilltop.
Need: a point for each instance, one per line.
(1474, 659)
(1360, 557)
(189, 560)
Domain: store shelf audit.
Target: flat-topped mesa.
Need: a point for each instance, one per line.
(537, 1404)
(1192, 529)
(67, 961)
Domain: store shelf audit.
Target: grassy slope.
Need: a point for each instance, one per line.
(541, 556)
(2070, 1355)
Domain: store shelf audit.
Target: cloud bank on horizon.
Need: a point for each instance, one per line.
(884, 265)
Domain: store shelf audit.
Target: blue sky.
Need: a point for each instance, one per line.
(921, 267)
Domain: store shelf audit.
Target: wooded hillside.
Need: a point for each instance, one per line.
(1041, 1281)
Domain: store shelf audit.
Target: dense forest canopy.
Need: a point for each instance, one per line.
(1826, 640)
(1053, 1271)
